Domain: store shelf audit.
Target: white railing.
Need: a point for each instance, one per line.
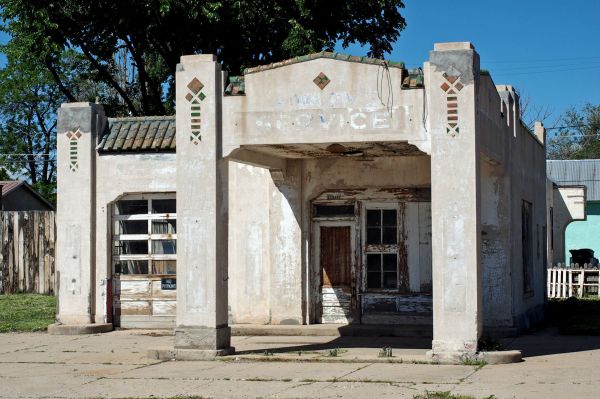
(565, 281)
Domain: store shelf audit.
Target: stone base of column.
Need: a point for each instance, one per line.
(451, 357)
(79, 329)
(452, 351)
(196, 343)
(204, 338)
(465, 352)
(169, 353)
(491, 357)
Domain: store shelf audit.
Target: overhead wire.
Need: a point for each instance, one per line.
(569, 127)
(385, 71)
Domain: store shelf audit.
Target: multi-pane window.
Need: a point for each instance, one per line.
(381, 244)
(145, 235)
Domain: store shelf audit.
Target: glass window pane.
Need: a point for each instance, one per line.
(131, 247)
(131, 267)
(131, 227)
(373, 280)
(374, 235)
(389, 218)
(164, 247)
(390, 262)
(373, 218)
(390, 280)
(374, 262)
(132, 207)
(390, 235)
(164, 267)
(168, 226)
(163, 206)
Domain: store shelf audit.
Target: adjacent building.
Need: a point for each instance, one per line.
(583, 172)
(17, 195)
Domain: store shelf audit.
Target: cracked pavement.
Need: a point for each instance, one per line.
(114, 365)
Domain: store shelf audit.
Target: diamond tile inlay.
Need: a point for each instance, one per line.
(195, 86)
(321, 80)
(451, 86)
(73, 149)
(195, 97)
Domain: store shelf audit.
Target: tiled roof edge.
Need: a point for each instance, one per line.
(327, 55)
(141, 118)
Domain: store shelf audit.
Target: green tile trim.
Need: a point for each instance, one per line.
(327, 55)
(138, 134)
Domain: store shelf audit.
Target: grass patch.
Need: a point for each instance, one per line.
(446, 395)
(26, 312)
(575, 316)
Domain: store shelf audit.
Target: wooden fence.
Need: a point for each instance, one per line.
(27, 245)
(565, 282)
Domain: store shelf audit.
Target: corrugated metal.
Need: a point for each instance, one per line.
(571, 172)
(147, 133)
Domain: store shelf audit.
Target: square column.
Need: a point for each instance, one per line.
(455, 204)
(78, 128)
(202, 212)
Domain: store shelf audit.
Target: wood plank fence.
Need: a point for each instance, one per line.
(565, 282)
(27, 248)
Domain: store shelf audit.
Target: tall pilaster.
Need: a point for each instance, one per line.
(202, 212)
(78, 127)
(455, 192)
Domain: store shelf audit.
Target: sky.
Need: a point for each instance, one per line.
(548, 50)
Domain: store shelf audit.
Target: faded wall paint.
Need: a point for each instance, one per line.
(495, 242)
(274, 111)
(518, 159)
(265, 246)
(118, 175)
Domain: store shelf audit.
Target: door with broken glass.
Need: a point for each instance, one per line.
(144, 264)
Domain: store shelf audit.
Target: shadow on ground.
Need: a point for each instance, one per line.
(279, 346)
(548, 341)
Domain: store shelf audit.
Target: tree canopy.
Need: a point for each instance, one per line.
(123, 54)
(132, 47)
(578, 135)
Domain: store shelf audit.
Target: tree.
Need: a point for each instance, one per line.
(28, 102)
(578, 136)
(532, 112)
(133, 46)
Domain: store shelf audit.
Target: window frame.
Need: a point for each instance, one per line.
(149, 237)
(380, 248)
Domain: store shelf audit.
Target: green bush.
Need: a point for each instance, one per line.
(575, 316)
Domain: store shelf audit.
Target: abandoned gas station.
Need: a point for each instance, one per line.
(321, 189)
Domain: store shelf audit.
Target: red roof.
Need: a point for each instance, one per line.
(9, 185)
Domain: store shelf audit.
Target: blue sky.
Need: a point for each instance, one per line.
(549, 50)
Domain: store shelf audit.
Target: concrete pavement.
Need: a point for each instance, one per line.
(115, 365)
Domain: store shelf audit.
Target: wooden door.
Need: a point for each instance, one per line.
(337, 275)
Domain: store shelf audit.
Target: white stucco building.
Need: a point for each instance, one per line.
(322, 189)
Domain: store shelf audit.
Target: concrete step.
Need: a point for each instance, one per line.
(335, 330)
